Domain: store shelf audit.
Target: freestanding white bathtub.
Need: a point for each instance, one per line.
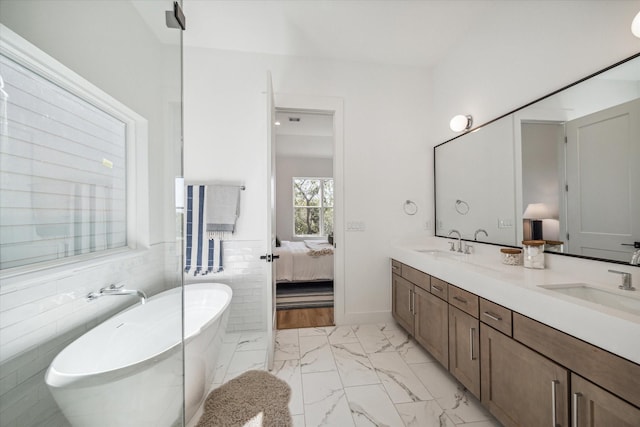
(128, 371)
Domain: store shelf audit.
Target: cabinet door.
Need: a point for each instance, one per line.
(596, 407)
(519, 386)
(431, 325)
(402, 301)
(464, 351)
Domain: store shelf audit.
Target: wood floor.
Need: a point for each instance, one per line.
(305, 318)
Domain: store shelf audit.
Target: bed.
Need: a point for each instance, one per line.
(307, 261)
(304, 275)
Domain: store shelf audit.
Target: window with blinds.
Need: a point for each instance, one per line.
(62, 172)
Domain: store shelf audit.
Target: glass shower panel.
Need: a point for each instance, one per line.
(99, 64)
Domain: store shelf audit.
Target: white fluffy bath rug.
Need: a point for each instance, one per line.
(254, 399)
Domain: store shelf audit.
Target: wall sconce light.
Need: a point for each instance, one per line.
(460, 123)
(635, 25)
(535, 213)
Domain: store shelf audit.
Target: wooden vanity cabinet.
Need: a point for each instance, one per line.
(519, 386)
(595, 407)
(522, 370)
(431, 325)
(402, 302)
(464, 349)
(421, 314)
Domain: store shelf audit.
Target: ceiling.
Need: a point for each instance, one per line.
(304, 134)
(401, 32)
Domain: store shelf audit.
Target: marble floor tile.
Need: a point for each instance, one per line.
(243, 361)
(224, 359)
(414, 353)
(365, 375)
(424, 414)
(398, 379)
(289, 371)
(311, 332)
(353, 365)
(252, 341)
(325, 402)
(341, 335)
(298, 420)
(460, 405)
(287, 345)
(370, 405)
(372, 338)
(315, 354)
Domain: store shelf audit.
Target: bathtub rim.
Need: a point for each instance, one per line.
(56, 379)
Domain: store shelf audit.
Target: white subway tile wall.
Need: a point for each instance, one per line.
(244, 272)
(41, 313)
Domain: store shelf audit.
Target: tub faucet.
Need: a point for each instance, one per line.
(117, 290)
(459, 239)
(480, 230)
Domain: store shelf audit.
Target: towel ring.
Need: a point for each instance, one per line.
(462, 207)
(410, 208)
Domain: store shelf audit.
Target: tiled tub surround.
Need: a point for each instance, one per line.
(42, 312)
(244, 272)
(516, 288)
(366, 375)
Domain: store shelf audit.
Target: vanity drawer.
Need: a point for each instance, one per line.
(465, 301)
(495, 316)
(439, 288)
(416, 277)
(396, 267)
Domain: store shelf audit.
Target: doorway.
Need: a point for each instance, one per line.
(305, 207)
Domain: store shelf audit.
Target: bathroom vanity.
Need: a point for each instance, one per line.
(532, 356)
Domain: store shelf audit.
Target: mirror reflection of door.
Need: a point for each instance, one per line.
(603, 177)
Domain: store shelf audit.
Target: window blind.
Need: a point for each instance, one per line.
(62, 172)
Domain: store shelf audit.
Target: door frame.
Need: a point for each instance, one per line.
(335, 107)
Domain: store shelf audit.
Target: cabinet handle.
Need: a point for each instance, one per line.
(554, 415)
(410, 299)
(462, 300)
(413, 303)
(576, 398)
(492, 316)
(437, 288)
(472, 332)
(395, 267)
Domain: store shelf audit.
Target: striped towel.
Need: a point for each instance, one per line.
(202, 255)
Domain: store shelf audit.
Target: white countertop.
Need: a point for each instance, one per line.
(516, 288)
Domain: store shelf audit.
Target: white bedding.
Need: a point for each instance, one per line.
(295, 265)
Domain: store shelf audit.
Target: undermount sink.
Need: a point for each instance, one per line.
(626, 301)
(438, 252)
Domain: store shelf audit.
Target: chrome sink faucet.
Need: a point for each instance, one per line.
(117, 290)
(459, 239)
(480, 230)
(626, 280)
(635, 258)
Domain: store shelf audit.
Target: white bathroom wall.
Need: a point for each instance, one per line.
(386, 157)
(108, 44)
(526, 50)
(286, 169)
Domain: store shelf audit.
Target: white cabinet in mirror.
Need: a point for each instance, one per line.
(576, 151)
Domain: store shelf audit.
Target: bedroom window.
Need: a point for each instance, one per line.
(312, 206)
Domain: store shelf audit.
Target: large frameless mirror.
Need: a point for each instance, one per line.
(564, 169)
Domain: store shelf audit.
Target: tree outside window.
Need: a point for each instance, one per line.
(313, 206)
